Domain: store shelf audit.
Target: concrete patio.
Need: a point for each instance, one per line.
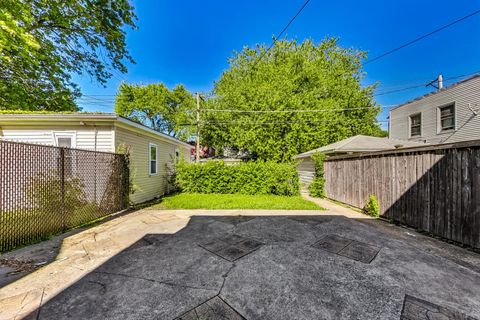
(198, 264)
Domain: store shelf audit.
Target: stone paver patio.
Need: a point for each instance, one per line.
(198, 264)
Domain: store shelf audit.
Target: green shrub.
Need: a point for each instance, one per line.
(244, 178)
(372, 208)
(317, 187)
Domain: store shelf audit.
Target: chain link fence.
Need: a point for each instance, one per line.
(45, 190)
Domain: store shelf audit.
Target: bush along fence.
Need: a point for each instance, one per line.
(433, 188)
(244, 178)
(317, 186)
(46, 190)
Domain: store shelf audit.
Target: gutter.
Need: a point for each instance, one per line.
(307, 155)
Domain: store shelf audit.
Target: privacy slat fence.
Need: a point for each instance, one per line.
(435, 188)
(45, 190)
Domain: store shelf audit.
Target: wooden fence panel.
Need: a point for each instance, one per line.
(435, 188)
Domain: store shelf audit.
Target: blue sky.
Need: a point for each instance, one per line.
(189, 41)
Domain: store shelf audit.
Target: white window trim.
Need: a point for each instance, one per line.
(65, 134)
(72, 156)
(439, 118)
(150, 145)
(410, 125)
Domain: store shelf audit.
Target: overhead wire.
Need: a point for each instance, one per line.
(400, 88)
(423, 84)
(281, 33)
(295, 111)
(376, 58)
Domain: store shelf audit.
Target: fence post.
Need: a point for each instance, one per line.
(62, 187)
(125, 169)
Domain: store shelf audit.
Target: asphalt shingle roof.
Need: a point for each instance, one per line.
(361, 143)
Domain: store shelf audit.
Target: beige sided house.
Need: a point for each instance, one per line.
(150, 151)
(451, 114)
(355, 144)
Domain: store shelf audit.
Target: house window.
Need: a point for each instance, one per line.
(447, 117)
(65, 142)
(416, 125)
(64, 139)
(177, 155)
(153, 158)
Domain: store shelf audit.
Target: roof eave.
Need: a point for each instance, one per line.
(129, 123)
(417, 99)
(26, 119)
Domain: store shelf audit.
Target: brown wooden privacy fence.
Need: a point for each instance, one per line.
(435, 188)
(45, 190)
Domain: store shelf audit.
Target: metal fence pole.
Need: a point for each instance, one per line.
(45, 190)
(62, 187)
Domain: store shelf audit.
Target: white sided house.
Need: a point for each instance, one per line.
(451, 114)
(150, 151)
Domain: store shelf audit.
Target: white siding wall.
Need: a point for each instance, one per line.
(467, 124)
(147, 187)
(109, 137)
(84, 136)
(306, 170)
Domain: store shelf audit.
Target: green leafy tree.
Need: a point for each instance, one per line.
(44, 42)
(291, 76)
(164, 110)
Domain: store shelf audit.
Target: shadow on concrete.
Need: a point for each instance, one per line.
(296, 270)
(20, 262)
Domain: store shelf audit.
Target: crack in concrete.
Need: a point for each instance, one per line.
(40, 304)
(225, 276)
(172, 284)
(103, 285)
(22, 305)
(86, 252)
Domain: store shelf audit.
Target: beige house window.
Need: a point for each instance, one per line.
(153, 158)
(447, 117)
(416, 125)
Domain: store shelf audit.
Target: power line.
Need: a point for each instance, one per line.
(236, 122)
(281, 32)
(422, 84)
(293, 19)
(421, 37)
(96, 97)
(296, 111)
(398, 90)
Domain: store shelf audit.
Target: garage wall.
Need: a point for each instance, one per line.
(84, 135)
(306, 170)
(145, 186)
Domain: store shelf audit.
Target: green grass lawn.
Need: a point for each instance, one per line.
(234, 201)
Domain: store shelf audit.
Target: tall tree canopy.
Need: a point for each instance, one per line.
(296, 77)
(44, 42)
(164, 110)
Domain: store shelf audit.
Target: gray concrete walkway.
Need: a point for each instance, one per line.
(261, 265)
